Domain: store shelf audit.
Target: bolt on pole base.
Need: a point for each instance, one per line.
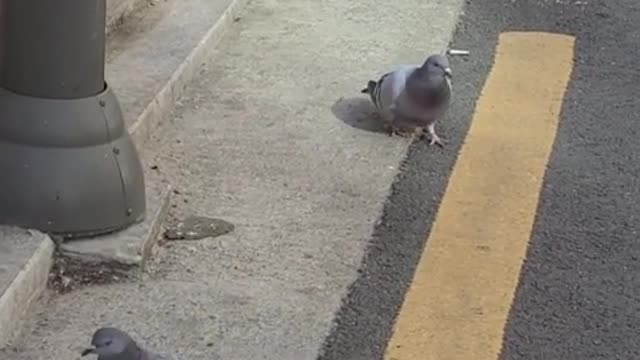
(69, 166)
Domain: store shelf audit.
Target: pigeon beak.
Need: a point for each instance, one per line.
(447, 71)
(88, 351)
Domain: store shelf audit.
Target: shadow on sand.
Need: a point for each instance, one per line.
(359, 113)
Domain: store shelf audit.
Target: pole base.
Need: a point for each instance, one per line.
(68, 166)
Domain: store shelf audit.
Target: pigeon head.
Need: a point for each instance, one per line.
(429, 85)
(112, 343)
(437, 64)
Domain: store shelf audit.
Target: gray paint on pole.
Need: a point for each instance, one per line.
(69, 165)
(53, 49)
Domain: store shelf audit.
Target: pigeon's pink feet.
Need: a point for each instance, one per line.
(435, 139)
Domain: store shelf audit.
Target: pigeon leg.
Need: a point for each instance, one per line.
(387, 123)
(391, 128)
(388, 128)
(403, 134)
(435, 139)
(396, 129)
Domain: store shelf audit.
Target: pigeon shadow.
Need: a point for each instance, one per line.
(358, 112)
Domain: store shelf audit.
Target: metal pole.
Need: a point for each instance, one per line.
(68, 164)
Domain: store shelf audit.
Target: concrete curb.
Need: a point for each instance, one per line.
(117, 11)
(30, 283)
(160, 107)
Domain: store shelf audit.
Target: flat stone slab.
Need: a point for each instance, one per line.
(25, 260)
(112, 257)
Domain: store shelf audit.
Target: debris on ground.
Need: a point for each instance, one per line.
(68, 274)
(457, 52)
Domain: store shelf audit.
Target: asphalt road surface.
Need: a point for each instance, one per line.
(519, 240)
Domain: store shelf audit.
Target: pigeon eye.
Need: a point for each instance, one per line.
(107, 343)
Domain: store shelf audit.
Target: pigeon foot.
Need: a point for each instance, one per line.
(435, 139)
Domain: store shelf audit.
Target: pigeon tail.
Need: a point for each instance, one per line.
(372, 90)
(371, 85)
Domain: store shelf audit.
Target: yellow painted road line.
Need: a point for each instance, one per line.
(457, 305)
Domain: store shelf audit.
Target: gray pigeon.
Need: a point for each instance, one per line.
(413, 94)
(114, 344)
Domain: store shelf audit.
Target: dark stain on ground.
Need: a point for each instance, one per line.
(198, 227)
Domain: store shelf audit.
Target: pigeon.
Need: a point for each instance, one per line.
(114, 344)
(414, 94)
